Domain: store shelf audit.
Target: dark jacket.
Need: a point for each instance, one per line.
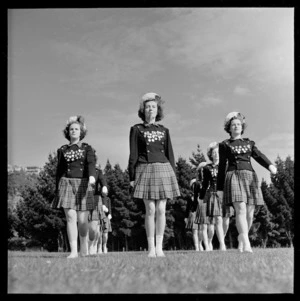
(191, 206)
(75, 161)
(100, 181)
(237, 153)
(149, 144)
(197, 190)
(106, 201)
(210, 173)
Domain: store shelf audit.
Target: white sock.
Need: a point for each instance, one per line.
(200, 247)
(158, 248)
(73, 246)
(92, 247)
(151, 247)
(83, 245)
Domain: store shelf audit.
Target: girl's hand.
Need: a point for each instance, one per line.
(273, 169)
(104, 190)
(109, 216)
(185, 220)
(132, 183)
(105, 209)
(92, 180)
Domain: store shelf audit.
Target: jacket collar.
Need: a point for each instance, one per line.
(79, 144)
(150, 124)
(231, 139)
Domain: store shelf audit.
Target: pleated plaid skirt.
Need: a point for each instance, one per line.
(74, 193)
(242, 186)
(98, 213)
(191, 222)
(201, 214)
(227, 211)
(106, 226)
(155, 181)
(214, 203)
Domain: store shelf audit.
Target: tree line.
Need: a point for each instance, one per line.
(33, 223)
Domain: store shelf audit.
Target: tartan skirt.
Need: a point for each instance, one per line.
(214, 203)
(227, 211)
(106, 226)
(97, 213)
(242, 186)
(190, 222)
(155, 181)
(201, 214)
(74, 193)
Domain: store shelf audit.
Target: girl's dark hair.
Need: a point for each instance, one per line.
(160, 109)
(79, 120)
(228, 123)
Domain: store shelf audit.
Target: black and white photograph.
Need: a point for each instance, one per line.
(150, 150)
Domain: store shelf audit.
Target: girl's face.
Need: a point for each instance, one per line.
(236, 127)
(150, 109)
(74, 131)
(215, 154)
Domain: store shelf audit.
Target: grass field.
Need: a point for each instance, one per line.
(264, 271)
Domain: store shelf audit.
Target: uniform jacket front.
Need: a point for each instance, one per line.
(197, 190)
(100, 181)
(210, 173)
(149, 144)
(191, 205)
(237, 154)
(75, 161)
(106, 201)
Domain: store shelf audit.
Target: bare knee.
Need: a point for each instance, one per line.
(218, 221)
(240, 208)
(150, 208)
(161, 208)
(71, 215)
(93, 229)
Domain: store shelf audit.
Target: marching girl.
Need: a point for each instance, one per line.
(151, 169)
(238, 185)
(97, 215)
(75, 176)
(208, 192)
(207, 223)
(105, 227)
(190, 214)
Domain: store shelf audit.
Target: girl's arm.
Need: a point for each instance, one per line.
(133, 152)
(91, 162)
(260, 158)
(222, 166)
(169, 150)
(205, 182)
(58, 169)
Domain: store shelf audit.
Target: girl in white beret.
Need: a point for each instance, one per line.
(207, 223)
(238, 184)
(75, 177)
(105, 227)
(151, 169)
(97, 216)
(209, 192)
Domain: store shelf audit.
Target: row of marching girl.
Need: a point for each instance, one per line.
(75, 181)
(211, 209)
(204, 230)
(237, 182)
(99, 218)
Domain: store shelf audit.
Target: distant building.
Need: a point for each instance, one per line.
(33, 169)
(28, 169)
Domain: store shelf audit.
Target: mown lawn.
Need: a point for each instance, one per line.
(264, 271)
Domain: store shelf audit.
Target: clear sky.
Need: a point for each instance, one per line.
(204, 62)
